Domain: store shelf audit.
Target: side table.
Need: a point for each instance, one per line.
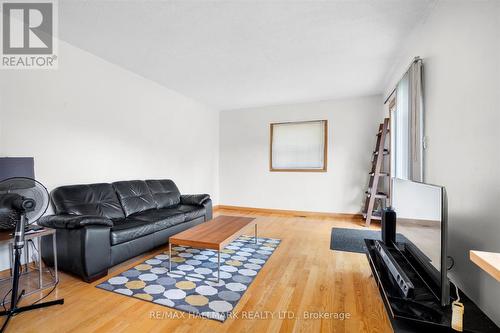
(6, 237)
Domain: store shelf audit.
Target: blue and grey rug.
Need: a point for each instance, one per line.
(192, 285)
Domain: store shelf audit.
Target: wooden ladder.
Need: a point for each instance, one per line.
(373, 193)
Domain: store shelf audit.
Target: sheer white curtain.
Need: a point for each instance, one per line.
(408, 129)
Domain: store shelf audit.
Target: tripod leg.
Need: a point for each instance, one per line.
(15, 285)
(38, 305)
(18, 245)
(6, 322)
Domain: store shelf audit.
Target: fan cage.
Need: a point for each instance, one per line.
(26, 187)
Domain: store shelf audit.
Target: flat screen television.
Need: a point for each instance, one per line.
(421, 211)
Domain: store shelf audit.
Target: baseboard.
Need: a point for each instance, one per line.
(294, 213)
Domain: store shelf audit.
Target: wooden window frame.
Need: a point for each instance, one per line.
(325, 147)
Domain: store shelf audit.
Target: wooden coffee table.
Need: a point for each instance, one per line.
(214, 235)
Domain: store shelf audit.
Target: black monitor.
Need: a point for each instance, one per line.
(16, 167)
(422, 218)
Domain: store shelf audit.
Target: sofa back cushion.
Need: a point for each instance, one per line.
(134, 196)
(91, 199)
(165, 192)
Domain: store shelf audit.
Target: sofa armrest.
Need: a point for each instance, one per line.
(67, 221)
(208, 209)
(194, 199)
(85, 251)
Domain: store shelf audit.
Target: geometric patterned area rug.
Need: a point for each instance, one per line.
(192, 285)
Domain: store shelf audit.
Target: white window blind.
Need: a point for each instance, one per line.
(299, 146)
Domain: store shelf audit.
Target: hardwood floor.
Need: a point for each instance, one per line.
(303, 277)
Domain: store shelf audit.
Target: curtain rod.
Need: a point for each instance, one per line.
(416, 59)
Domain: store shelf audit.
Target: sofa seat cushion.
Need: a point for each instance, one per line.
(128, 229)
(161, 218)
(168, 217)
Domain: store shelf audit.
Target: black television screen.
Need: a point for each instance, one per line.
(422, 219)
(16, 167)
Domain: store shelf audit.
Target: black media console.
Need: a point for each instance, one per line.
(420, 311)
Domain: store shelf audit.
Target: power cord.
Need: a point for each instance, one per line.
(458, 294)
(50, 292)
(33, 245)
(10, 290)
(3, 301)
(452, 262)
(35, 249)
(457, 313)
(30, 241)
(50, 271)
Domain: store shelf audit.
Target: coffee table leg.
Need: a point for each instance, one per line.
(218, 266)
(255, 233)
(169, 257)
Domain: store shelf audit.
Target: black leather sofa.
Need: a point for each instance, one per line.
(100, 225)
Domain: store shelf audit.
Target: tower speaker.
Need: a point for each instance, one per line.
(389, 226)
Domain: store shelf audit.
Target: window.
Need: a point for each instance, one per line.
(401, 133)
(299, 146)
(407, 126)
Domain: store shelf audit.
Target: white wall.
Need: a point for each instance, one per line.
(245, 179)
(92, 121)
(460, 45)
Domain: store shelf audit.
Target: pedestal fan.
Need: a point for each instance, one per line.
(26, 200)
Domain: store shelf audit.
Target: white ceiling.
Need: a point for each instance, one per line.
(235, 54)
